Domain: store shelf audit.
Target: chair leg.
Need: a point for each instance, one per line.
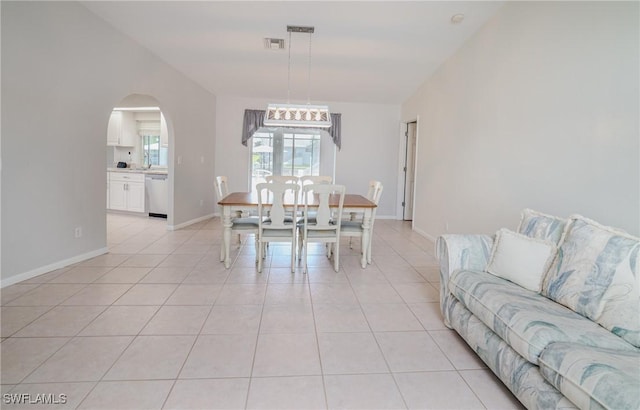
(300, 246)
(336, 259)
(260, 250)
(222, 251)
(257, 244)
(306, 268)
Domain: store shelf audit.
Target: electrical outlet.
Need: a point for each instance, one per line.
(446, 227)
(201, 202)
(202, 160)
(179, 159)
(78, 232)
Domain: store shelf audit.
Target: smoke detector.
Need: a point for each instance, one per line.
(457, 18)
(274, 43)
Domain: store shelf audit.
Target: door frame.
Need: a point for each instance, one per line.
(407, 163)
(402, 156)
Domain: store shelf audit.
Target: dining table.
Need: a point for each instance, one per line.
(247, 202)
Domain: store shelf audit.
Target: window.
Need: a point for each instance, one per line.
(283, 151)
(152, 151)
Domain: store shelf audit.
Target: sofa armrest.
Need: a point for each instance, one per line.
(456, 252)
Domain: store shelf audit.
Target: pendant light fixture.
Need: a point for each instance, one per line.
(297, 115)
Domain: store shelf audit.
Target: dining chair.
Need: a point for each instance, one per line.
(273, 224)
(325, 226)
(353, 227)
(239, 225)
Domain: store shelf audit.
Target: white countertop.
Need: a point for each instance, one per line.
(156, 171)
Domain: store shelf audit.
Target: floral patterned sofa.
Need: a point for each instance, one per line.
(564, 330)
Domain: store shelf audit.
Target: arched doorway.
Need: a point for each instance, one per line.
(137, 159)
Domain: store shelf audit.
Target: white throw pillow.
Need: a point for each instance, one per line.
(521, 259)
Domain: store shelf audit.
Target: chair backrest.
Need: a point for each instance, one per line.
(375, 188)
(326, 218)
(222, 188)
(375, 191)
(271, 198)
(283, 179)
(315, 179)
(312, 180)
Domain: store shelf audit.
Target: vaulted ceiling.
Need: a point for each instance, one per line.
(361, 51)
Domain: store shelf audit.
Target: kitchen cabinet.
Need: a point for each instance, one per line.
(126, 191)
(121, 130)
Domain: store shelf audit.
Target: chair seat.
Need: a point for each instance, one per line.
(251, 220)
(244, 224)
(276, 233)
(287, 220)
(321, 233)
(351, 226)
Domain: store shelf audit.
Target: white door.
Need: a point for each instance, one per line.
(409, 171)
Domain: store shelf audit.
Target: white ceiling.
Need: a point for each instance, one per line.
(362, 51)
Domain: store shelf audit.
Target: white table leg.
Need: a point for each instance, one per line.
(366, 237)
(226, 235)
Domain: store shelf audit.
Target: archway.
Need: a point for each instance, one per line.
(139, 170)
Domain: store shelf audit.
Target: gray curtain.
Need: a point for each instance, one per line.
(336, 129)
(254, 120)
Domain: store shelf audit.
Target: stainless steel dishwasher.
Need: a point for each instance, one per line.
(157, 194)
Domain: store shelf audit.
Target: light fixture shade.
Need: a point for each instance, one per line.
(291, 115)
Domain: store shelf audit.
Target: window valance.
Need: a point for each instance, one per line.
(254, 120)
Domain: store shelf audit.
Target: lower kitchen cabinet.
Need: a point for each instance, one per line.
(126, 191)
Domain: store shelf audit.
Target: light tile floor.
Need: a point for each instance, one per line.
(159, 323)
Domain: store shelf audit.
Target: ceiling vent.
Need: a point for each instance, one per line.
(274, 43)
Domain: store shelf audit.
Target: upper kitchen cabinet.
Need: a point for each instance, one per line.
(164, 132)
(121, 130)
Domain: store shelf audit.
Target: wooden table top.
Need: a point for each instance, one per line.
(251, 198)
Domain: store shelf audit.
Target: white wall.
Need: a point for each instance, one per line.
(63, 70)
(369, 146)
(539, 109)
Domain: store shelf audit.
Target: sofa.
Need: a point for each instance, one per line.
(552, 308)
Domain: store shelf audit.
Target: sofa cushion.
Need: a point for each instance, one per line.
(519, 375)
(593, 377)
(596, 274)
(541, 226)
(528, 321)
(521, 259)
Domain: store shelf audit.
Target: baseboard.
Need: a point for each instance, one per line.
(51, 267)
(394, 217)
(424, 234)
(191, 222)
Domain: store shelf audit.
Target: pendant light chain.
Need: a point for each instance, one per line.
(289, 72)
(309, 73)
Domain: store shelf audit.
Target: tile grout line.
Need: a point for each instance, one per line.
(257, 338)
